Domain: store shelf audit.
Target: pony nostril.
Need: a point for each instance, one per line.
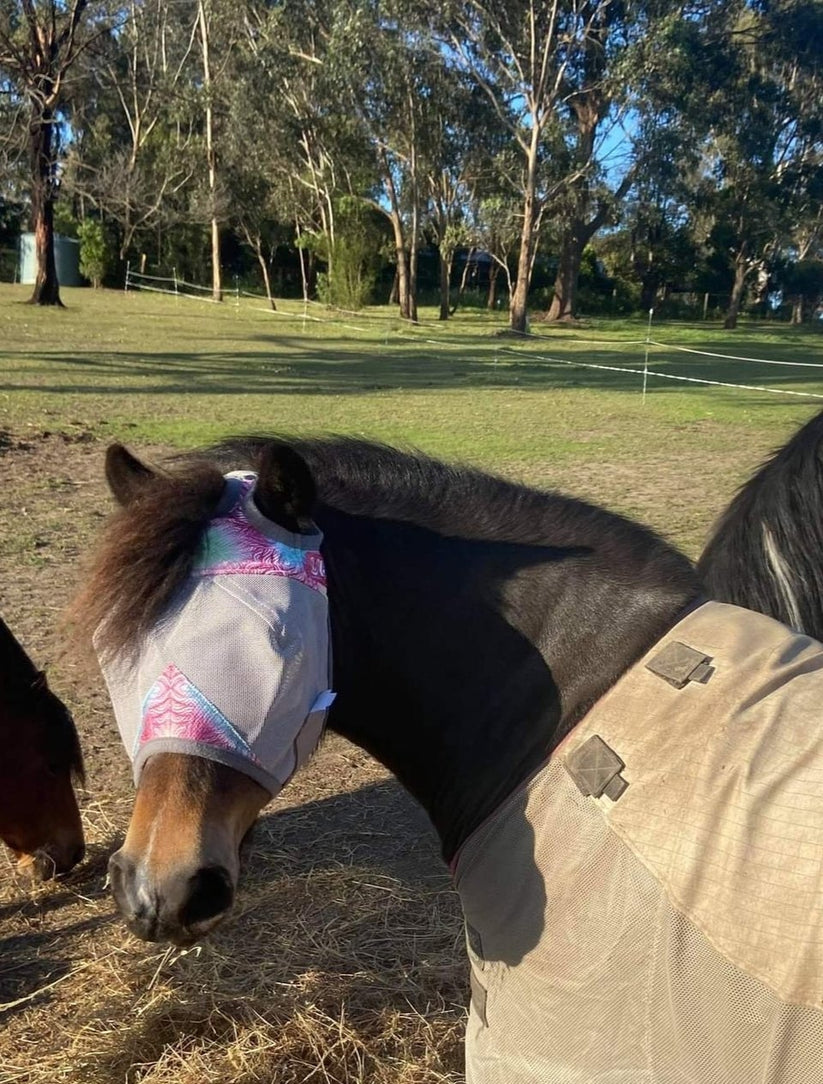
(210, 894)
(122, 874)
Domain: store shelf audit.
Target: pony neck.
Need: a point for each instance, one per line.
(461, 664)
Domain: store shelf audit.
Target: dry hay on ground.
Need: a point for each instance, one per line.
(343, 961)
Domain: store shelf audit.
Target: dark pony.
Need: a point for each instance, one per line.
(520, 608)
(39, 817)
(766, 550)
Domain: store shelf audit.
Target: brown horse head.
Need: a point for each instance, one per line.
(200, 784)
(175, 876)
(39, 817)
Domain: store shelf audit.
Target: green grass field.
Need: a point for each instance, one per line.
(176, 372)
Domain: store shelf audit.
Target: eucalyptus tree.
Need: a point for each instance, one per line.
(135, 124)
(40, 42)
(747, 155)
(393, 81)
(291, 109)
(498, 232)
(595, 157)
(654, 245)
(214, 62)
(522, 54)
(273, 192)
(463, 142)
(746, 77)
(792, 40)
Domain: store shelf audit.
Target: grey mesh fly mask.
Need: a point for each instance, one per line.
(238, 670)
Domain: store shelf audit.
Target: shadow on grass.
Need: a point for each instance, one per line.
(300, 365)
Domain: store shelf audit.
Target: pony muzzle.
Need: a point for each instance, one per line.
(52, 859)
(181, 907)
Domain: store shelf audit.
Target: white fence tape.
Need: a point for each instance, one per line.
(735, 357)
(134, 281)
(641, 371)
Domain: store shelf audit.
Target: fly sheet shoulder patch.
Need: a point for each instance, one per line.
(238, 670)
(675, 934)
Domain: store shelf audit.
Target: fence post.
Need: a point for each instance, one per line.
(646, 358)
(128, 268)
(174, 276)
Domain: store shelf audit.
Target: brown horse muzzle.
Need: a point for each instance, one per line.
(50, 841)
(184, 908)
(175, 876)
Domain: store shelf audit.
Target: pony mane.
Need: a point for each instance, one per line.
(764, 552)
(367, 478)
(145, 555)
(148, 548)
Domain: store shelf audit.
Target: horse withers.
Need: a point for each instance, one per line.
(622, 776)
(39, 817)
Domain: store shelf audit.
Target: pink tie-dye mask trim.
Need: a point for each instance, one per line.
(233, 546)
(175, 708)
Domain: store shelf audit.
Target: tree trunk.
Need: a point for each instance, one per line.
(402, 273)
(394, 293)
(648, 292)
(445, 298)
(211, 157)
(518, 310)
(797, 310)
(518, 314)
(464, 278)
(304, 278)
(736, 297)
(563, 306)
(403, 280)
(413, 251)
(264, 267)
(405, 273)
(491, 301)
(216, 270)
(46, 287)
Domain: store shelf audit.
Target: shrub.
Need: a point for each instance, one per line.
(94, 252)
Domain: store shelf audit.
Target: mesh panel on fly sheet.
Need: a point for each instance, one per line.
(607, 983)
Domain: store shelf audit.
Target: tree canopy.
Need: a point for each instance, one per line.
(554, 155)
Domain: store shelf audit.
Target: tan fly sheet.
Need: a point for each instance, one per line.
(649, 908)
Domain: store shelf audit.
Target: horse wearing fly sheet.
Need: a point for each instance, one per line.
(39, 818)
(626, 781)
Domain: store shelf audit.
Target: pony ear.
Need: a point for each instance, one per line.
(126, 475)
(285, 492)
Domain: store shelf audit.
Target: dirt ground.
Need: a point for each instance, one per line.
(343, 960)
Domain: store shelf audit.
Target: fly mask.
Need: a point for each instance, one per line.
(238, 669)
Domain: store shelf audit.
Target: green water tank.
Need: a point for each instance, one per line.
(66, 256)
